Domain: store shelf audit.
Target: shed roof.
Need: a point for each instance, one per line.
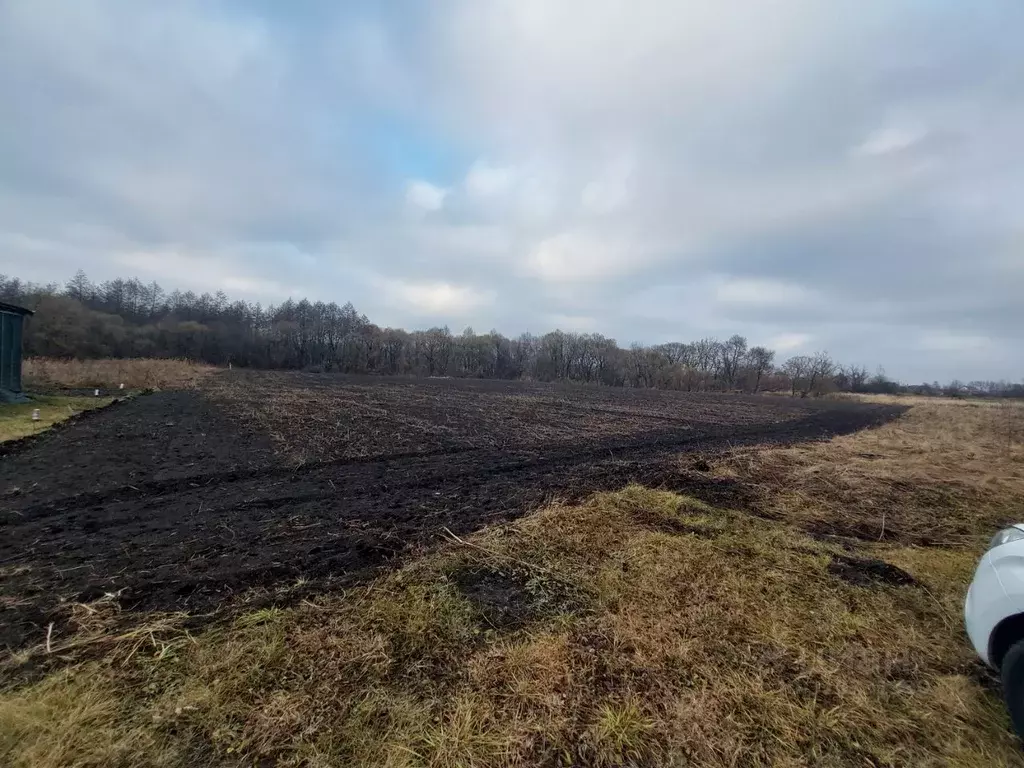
(15, 309)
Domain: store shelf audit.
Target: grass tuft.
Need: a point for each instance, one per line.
(621, 735)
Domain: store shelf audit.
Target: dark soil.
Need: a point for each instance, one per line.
(501, 598)
(672, 525)
(868, 572)
(180, 501)
(510, 599)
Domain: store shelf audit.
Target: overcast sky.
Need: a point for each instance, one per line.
(846, 176)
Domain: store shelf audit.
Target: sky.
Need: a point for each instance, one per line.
(843, 176)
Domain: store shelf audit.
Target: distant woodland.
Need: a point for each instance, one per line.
(128, 318)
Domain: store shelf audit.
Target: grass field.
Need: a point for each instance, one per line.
(46, 374)
(818, 623)
(60, 388)
(16, 418)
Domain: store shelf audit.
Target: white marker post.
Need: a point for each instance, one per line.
(35, 414)
(97, 393)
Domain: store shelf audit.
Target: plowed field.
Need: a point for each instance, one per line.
(181, 500)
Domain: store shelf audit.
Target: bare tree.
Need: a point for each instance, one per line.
(822, 370)
(858, 377)
(810, 375)
(731, 354)
(759, 363)
(798, 370)
(126, 318)
(79, 287)
(705, 361)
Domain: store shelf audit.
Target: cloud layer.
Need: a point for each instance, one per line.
(840, 176)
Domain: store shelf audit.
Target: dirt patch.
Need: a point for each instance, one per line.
(822, 533)
(501, 598)
(720, 492)
(179, 501)
(848, 534)
(508, 599)
(868, 572)
(982, 674)
(791, 671)
(681, 527)
(918, 672)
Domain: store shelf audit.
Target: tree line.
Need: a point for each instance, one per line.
(128, 318)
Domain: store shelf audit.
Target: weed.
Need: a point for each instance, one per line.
(621, 735)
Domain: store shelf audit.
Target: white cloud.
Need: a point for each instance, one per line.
(518, 195)
(761, 292)
(251, 286)
(612, 191)
(581, 257)
(788, 342)
(577, 323)
(425, 195)
(464, 242)
(942, 341)
(536, 202)
(537, 68)
(891, 139)
(598, 197)
(228, 269)
(486, 180)
(437, 298)
(675, 169)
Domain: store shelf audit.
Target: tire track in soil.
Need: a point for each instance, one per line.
(180, 512)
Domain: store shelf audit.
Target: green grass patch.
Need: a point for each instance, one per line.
(16, 418)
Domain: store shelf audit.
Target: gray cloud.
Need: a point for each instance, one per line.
(841, 176)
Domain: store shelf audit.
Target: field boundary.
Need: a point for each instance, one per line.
(18, 444)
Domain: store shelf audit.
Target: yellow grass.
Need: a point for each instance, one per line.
(947, 471)
(962, 402)
(16, 418)
(652, 629)
(42, 373)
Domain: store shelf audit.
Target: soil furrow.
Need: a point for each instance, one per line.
(182, 500)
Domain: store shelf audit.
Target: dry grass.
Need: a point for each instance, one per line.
(959, 402)
(16, 419)
(947, 472)
(648, 628)
(43, 373)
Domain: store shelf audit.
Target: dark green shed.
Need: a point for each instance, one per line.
(11, 320)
